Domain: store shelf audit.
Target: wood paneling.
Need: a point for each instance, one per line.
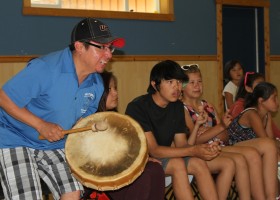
(8, 70)
(274, 78)
(14, 59)
(133, 78)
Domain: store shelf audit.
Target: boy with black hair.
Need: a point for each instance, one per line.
(161, 115)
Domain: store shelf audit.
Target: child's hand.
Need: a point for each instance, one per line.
(227, 119)
(215, 145)
(154, 160)
(202, 117)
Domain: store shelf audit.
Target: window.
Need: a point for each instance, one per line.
(148, 6)
(123, 9)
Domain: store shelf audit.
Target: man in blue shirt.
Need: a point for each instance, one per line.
(51, 94)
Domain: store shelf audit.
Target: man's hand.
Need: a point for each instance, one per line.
(52, 132)
(207, 151)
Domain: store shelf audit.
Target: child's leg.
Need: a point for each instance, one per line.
(242, 177)
(254, 163)
(205, 182)
(224, 168)
(176, 167)
(268, 151)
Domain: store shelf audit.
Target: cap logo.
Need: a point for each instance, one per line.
(103, 27)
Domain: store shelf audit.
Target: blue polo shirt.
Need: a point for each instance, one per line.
(48, 87)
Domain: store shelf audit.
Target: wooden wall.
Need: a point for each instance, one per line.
(133, 78)
(275, 79)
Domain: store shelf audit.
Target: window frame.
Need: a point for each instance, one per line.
(166, 15)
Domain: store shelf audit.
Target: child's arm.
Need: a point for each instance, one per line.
(216, 131)
(251, 119)
(268, 128)
(276, 131)
(210, 133)
(228, 99)
(194, 127)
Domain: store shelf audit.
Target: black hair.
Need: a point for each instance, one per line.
(262, 90)
(165, 70)
(107, 77)
(251, 78)
(228, 66)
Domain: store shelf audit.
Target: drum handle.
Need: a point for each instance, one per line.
(95, 127)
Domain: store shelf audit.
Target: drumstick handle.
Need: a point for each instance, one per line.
(87, 128)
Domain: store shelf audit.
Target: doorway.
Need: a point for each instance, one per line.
(243, 37)
(262, 8)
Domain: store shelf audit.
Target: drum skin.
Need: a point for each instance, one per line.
(109, 159)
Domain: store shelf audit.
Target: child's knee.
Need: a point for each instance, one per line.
(267, 146)
(177, 164)
(197, 165)
(228, 165)
(253, 156)
(240, 161)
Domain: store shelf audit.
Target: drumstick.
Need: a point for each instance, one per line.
(100, 126)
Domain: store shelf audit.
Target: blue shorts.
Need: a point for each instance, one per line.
(21, 169)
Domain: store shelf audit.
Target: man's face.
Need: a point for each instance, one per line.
(95, 58)
(170, 91)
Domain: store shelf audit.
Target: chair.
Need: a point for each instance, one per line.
(168, 180)
(169, 194)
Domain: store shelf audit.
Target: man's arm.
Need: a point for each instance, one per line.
(50, 131)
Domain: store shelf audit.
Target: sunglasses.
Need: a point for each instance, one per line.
(190, 66)
(246, 77)
(102, 47)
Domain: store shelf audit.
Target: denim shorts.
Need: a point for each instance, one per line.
(164, 161)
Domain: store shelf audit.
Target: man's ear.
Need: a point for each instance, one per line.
(79, 46)
(153, 83)
(248, 89)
